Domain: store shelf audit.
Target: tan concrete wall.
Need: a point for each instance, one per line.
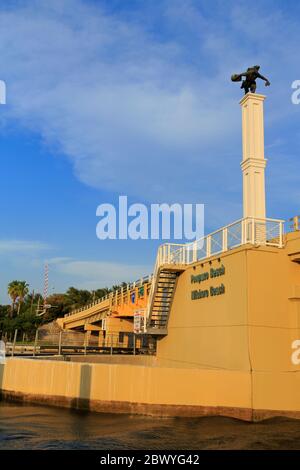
(121, 387)
(274, 281)
(114, 325)
(277, 391)
(142, 360)
(273, 316)
(209, 332)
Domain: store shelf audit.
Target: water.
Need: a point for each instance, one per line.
(42, 427)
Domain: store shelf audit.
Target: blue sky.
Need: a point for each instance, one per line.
(134, 97)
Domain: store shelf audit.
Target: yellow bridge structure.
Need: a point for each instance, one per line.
(121, 304)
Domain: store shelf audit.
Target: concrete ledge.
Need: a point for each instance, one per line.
(160, 410)
(260, 415)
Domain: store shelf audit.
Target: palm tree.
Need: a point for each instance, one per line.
(13, 292)
(22, 290)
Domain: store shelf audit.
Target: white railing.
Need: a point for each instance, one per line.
(268, 232)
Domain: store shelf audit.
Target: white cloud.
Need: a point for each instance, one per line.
(96, 274)
(63, 271)
(125, 107)
(22, 247)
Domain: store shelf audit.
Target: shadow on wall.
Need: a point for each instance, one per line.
(84, 392)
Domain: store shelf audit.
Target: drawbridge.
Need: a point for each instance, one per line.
(153, 295)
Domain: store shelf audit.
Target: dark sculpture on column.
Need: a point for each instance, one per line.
(249, 84)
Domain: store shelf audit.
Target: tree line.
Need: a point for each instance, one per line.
(23, 312)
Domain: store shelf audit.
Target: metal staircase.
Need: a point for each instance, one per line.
(162, 301)
(167, 268)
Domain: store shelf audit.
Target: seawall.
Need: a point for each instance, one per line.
(144, 389)
(124, 388)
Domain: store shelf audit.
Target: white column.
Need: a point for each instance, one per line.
(253, 163)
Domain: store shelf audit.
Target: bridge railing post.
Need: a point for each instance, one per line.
(85, 342)
(59, 342)
(225, 239)
(14, 343)
(35, 342)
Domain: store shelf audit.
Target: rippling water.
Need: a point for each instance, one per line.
(39, 427)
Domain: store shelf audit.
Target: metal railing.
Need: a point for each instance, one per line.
(268, 232)
(113, 295)
(75, 342)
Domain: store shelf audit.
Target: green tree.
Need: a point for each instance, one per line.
(22, 291)
(118, 286)
(78, 297)
(13, 292)
(99, 293)
(61, 303)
